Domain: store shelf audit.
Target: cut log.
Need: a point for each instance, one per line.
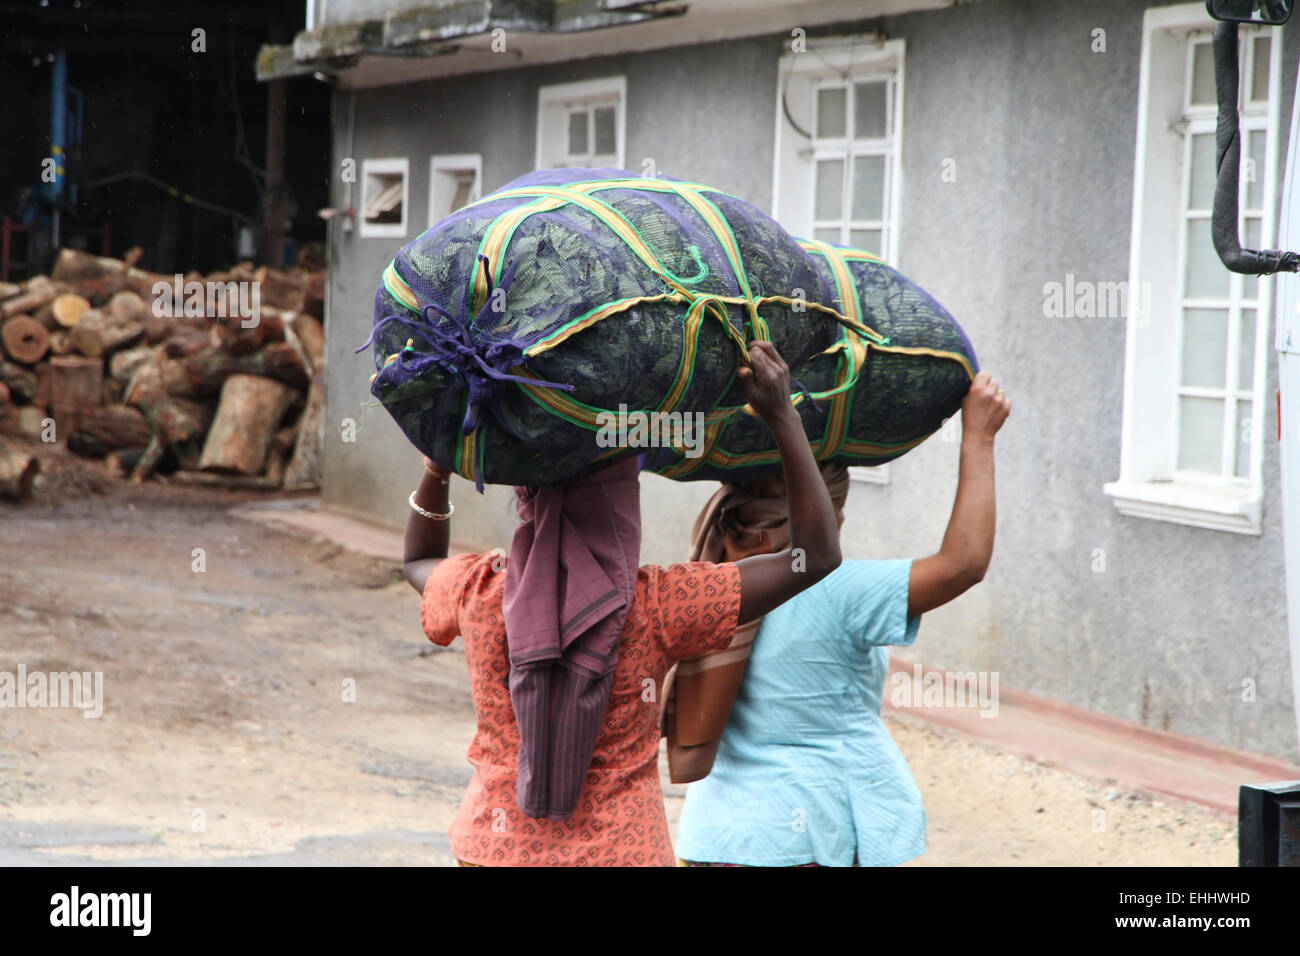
(183, 343)
(199, 374)
(208, 479)
(188, 453)
(127, 306)
(311, 334)
(5, 397)
(113, 390)
(43, 390)
(158, 328)
(282, 361)
(25, 339)
(69, 309)
(174, 420)
(148, 460)
(38, 293)
(9, 289)
(45, 316)
(313, 297)
(33, 421)
(99, 289)
(122, 462)
(122, 365)
(282, 290)
(98, 334)
(76, 387)
(303, 470)
(107, 429)
(22, 382)
(76, 264)
(17, 472)
(203, 373)
(239, 335)
(61, 342)
(98, 277)
(277, 456)
(145, 284)
(247, 418)
(132, 256)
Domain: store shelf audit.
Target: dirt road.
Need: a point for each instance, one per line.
(270, 698)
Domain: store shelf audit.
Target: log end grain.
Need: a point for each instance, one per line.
(69, 308)
(25, 339)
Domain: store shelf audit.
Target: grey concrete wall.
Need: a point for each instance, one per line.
(1042, 131)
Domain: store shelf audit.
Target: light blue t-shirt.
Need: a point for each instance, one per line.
(807, 771)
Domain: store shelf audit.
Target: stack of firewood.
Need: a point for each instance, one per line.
(216, 379)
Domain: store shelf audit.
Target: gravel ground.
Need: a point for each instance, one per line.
(282, 706)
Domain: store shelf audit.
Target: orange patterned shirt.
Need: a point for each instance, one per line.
(678, 611)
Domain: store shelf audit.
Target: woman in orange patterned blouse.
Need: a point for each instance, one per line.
(566, 665)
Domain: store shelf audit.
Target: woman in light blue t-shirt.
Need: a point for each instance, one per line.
(806, 773)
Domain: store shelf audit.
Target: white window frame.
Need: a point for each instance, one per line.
(847, 151)
(835, 61)
(444, 163)
(1149, 485)
(387, 166)
(560, 99)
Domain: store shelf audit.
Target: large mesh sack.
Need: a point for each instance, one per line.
(886, 392)
(502, 332)
(506, 333)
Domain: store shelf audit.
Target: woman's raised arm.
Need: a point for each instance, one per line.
(427, 539)
(769, 580)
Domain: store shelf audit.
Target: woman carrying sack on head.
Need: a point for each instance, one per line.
(564, 642)
(801, 770)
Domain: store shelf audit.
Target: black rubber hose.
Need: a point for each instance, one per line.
(1228, 165)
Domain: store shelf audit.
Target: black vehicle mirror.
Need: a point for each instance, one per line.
(1270, 12)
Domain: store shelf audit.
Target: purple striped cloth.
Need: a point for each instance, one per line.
(569, 587)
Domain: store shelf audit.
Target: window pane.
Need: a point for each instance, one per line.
(870, 114)
(1202, 75)
(1246, 351)
(1245, 434)
(831, 107)
(827, 235)
(1205, 347)
(830, 189)
(867, 240)
(868, 187)
(464, 186)
(1200, 195)
(1206, 276)
(1200, 435)
(578, 133)
(1252, 169)
(1251, 237)
(1259, 75)
(606, 139)
(383, 199)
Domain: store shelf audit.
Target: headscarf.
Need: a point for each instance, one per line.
(569, 587)
(699, 691)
